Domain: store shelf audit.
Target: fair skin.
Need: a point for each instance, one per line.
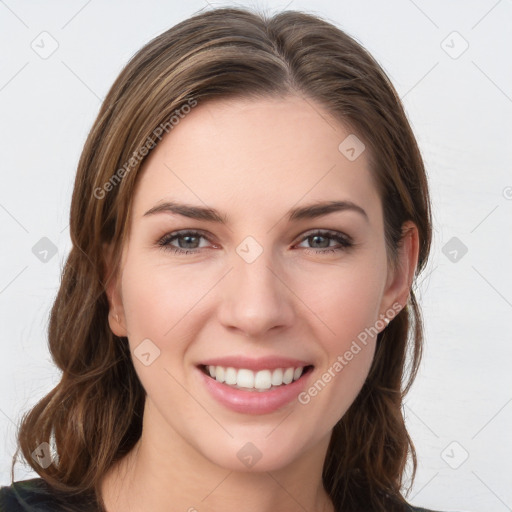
(253, 161)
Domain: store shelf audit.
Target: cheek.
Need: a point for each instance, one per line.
(161, 305)
(345, 299)
(156, 299)
(349, 345)
(346, 302)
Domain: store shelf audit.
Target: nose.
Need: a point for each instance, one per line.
(256, 297)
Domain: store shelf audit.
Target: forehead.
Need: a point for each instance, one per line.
(258, 156)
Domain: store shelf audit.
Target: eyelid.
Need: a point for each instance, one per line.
(326, 232)
(168, 237)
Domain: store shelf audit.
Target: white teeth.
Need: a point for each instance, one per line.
(277, 377)
(219, 373)
(288, 375)
(260, 380)
(263, 379)
(245, 378)
(230, 376)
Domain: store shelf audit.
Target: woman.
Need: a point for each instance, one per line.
(249, 214)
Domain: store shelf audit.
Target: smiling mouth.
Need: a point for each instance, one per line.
(262, 380)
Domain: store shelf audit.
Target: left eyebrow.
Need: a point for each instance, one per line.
(310, 211)
(315, 210)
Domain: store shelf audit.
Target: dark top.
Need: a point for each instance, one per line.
(35, 495)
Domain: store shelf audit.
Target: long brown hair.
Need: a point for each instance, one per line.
(93, 416)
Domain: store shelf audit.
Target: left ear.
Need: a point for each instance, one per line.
(399, 279)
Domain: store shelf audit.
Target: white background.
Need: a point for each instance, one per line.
(460, 109)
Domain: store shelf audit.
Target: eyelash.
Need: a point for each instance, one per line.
(344, 241)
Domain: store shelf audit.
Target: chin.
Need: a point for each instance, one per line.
(259, 449)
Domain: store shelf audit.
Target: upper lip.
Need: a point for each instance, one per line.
(262, 363)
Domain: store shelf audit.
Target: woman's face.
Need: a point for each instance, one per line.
(232, 268)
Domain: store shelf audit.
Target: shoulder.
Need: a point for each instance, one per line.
(23, 495)
(36, 495)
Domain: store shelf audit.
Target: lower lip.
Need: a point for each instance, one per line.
(254, 402)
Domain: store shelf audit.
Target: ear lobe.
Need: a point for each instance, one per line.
(116, 318)
(399, 282)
